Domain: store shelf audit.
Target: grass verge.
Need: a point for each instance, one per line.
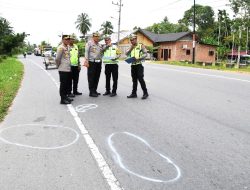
(11, 74)
(221, 66)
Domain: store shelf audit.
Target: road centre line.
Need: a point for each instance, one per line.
(203, 74)
(102, 164)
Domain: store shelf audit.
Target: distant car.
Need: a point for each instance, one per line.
(245, 59)
(47, 54)
(29, 52)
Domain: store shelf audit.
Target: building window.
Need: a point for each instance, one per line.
(188, 52)
(210, 53)
(162, 53)
(169, 53)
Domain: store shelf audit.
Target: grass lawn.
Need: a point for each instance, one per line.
(221, 66)
(11, 74)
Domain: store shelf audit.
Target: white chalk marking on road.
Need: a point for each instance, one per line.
(38, 147)
(203, 74)
(119, 160)
(103, 166)
(85, 107)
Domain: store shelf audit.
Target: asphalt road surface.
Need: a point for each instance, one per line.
(192, 133)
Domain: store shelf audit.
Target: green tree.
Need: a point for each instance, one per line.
(9, 41)
(83, 23)
(156, 28)
(224, 22)
(107, 28)
(81, 48)
(5, 27)
(166, 27)
(44, 43)
(241, 7)
(222, 29)
(204, 19)
(165, 19)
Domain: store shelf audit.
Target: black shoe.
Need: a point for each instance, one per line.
(93, 94)
(65, 102)
(113, 94)
(69, 99)
(145, 96)
(106, 93)
(98, 93)
(77, 93)
(132, 96)
(71, 95)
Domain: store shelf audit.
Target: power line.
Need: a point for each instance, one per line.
(119, 19)
(162, 7)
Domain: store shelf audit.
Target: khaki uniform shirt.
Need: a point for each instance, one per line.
(93, 51)
(63, 58)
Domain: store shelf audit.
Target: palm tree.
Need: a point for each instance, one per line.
(5, 28)
(107, 28)
(83, 23)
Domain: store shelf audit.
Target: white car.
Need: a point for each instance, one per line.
(47, 54)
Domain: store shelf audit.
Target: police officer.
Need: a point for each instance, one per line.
(75, 66)
(110, 55)
(139, 53)
(93, 61)
(63, 65)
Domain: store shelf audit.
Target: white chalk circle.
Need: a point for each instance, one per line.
(85, 107)
(39, 136)
(122, 165)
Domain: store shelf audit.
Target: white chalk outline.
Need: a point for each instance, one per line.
(38, 147)
(102, 164)
(81, 108)
(119, 159)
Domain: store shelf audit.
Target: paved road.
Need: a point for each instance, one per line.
(192, 133)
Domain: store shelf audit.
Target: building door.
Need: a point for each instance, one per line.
(165, 54)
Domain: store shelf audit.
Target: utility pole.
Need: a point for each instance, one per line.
(218, 37)
(238, 60)
(247, 42)
(193, 60)
(232, 48)
(119, 19)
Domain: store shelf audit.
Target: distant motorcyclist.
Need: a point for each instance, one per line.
(24, 54)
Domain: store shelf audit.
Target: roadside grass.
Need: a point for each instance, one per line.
(220, 66)
(11, 74)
